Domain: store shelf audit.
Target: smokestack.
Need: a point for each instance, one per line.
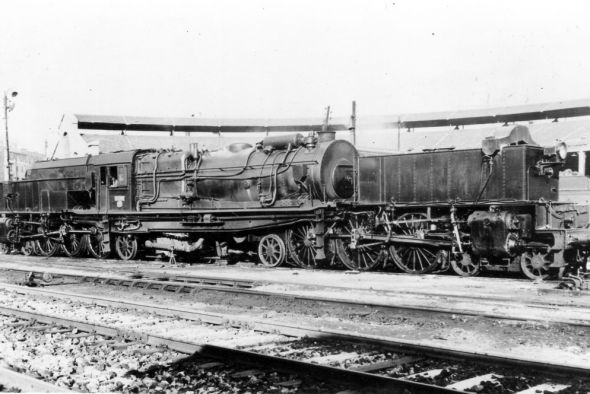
(194, 148)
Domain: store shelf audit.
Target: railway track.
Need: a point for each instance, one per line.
(247, 360)
(360, 360)
(186, 284)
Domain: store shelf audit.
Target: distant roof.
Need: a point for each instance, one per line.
(519, 113)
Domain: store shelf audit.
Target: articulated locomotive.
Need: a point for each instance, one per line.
(308, 200)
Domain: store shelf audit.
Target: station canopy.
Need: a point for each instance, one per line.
(553, 110)
(435, 130)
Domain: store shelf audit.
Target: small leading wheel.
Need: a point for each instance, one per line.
(47, 246)
(466, 265)
(97, 244)
(29, 248)
(73, 244)
(301, 245)
(535, 265)
(271, 250)
(354, 250)
(126, 246)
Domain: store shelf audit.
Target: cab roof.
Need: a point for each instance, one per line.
(98, 160)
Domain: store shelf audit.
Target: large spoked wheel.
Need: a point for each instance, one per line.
(272, 251)
(414, 259)
(96, 244)
(126, 246)
(73, 245)
(466, 265)
(301, 246)
(47, 246)
(355, 251)
(534, 265)
(29, 248)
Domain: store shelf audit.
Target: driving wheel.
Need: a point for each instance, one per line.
(73, 244)
(354, 249)
(301, 246)
(47, 246)
(414, 258)
(97, 243)
(29, 248)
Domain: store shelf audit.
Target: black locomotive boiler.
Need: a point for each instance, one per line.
(274, 199)
(308, 200)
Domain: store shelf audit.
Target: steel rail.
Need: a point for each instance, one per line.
(394, 385)
(252, 283)
(188, 287)
(321, 333)
(28, 384)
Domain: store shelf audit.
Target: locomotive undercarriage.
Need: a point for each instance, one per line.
(277, 237)
(412, 239)
(416, 239)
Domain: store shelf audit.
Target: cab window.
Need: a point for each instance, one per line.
(117, 176)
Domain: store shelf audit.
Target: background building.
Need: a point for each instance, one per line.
(21, 160)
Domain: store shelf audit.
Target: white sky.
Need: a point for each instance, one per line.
(285, 58)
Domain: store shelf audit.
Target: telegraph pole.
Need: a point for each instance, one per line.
(353, 123)
(7, 108)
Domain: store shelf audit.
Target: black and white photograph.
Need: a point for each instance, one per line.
(279, 196)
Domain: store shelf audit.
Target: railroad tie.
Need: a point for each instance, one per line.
(246, 373)
(333, 358)
(544, 388)
(469, 383)
(290, 383)
(386, 364)
(80, 335)
(209, 365)
(426, 374)
(150, 351)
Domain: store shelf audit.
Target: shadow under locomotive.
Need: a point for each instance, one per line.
(310, 201)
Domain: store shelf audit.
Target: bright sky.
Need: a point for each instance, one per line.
(285, 58)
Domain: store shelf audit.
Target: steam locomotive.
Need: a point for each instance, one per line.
(309, 201)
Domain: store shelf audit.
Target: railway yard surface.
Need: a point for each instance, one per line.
(106, 325)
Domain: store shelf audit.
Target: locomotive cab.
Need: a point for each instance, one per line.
(111, 177)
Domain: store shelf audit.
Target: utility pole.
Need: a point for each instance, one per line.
(326, 120)
(7, 108)
(353, 124)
